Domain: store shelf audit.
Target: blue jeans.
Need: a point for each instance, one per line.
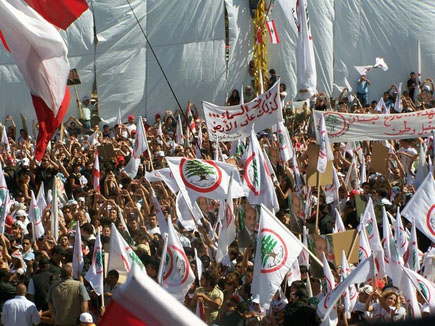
(363, 98)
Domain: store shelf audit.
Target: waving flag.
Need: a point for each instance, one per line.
(96, 172)
(177, 273)
(143, 302)
(284, 142)
(41, 56)
(5, 139)
(35, 218)
(95, 274)
(228, 230)
(426, 287)
(398, 103)
(78, 261)
(140, 146)
(371, 226)
(304, 257)
(179, 132)
(294, 274)
(362, 273)
(163, 225)
(331, 191)
(60, 13)
(121, 256)
(328, 286)
(408, 290)
(277, 249)
(306, 64)
(387, 237)
(325, 152)
(5, 208)
(3, 185)
(413, 257)
(191, 125)
(274, 39)
(364, 247)
(339, 225)
(350, 296)
(257, 178)
(400, 236)
(422, 207)
(204, 178)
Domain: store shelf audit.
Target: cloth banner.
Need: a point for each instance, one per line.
(345, 127)
(230, 123)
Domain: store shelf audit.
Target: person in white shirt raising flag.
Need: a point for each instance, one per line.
(140, 146)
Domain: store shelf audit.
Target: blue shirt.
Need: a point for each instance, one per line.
(362, 88)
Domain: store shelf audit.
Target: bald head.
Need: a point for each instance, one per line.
(21, 289)
(66, 271)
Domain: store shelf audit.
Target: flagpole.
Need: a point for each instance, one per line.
(318, 202)
(162, 260)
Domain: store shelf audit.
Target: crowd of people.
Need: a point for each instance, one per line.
(36, 276)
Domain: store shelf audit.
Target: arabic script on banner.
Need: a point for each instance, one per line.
(234, 122)
(344, 127)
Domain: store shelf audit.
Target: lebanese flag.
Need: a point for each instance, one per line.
(274, 39)
(190, 120)
(142, 302)
(96, 172)
(41, 56)
(60, 13)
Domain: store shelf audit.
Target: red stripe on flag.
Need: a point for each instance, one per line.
(60, 13)
(2, 38)
(48, 123)
(117, 315)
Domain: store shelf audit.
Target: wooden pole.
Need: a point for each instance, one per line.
(318, 202)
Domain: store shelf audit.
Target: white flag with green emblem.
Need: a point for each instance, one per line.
(3, 185)
(277, 249)
(422, 208)
(35, 218)
(284, 142)
(121, 256)
(204, 178)
(95, 274)
(426, 287)
(177, 273)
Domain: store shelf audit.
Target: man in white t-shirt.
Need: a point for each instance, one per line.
(407, 155)
(131, 125)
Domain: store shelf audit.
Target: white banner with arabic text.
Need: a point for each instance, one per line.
(230, 123)
(345, 127)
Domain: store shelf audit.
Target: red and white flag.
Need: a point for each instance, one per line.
(200, 310)
(191, 125)
(95, 274)
(422, 207)
(140, 146)
(413, 255)
(121, 256)
(284, 142)
(204, 178)
(332, 318)
(96, 172)
(325, 152)
(362, 273)
(350, 296)
(228, 230)
(143, 302)
(35, 218)
(426, 287)
(401, 237)
(41, 56)
(78, 261)
(271, 28)
(178, 276)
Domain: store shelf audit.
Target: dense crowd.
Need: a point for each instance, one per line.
(40, 269)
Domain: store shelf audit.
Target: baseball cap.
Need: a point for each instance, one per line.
(367, 289)
(20, 213)
(131, 117)
(86, 317)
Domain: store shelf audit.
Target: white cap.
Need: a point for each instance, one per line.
(86, 317)
(20, 213)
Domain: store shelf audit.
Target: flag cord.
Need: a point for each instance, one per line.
(161, 69)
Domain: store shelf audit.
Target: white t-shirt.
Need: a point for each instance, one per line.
(404, 159)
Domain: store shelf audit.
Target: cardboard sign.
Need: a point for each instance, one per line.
(379, 159)
(326, 177)
(106, 152)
